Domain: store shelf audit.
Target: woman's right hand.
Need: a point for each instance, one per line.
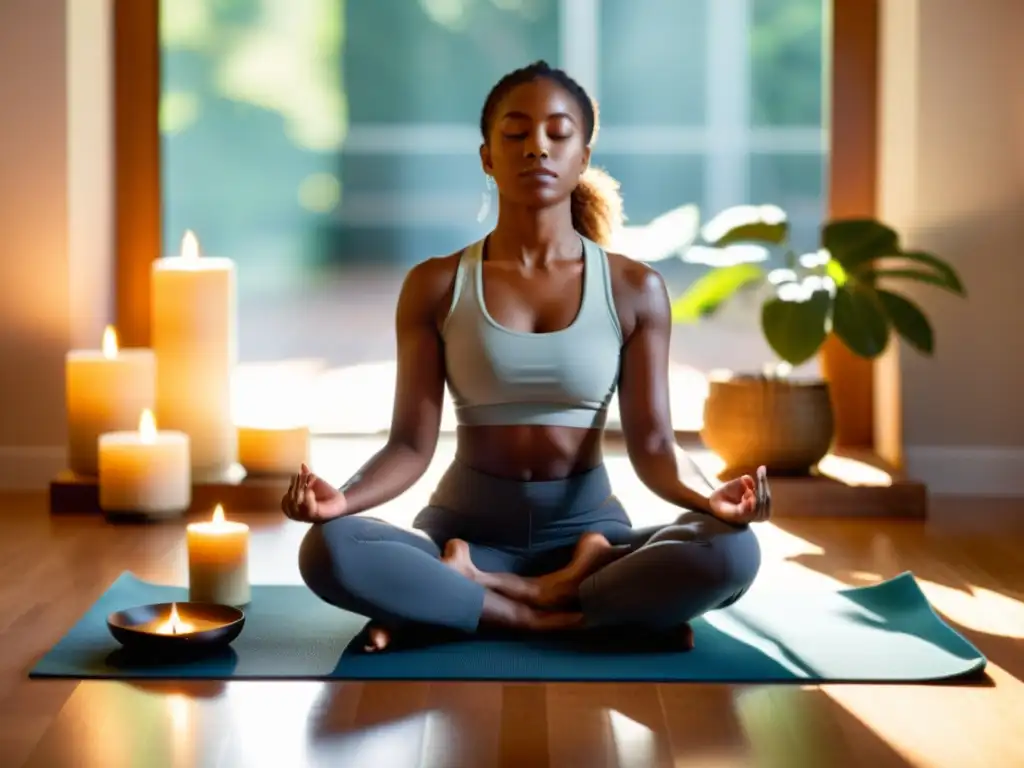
(311, 499)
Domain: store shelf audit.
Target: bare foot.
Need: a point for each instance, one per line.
(553, 591)
(687, 637)
(553, 621)
(558, 589)
(378, 638)
(456, 556)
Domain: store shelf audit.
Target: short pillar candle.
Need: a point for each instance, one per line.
(145, 472)
(218, 561)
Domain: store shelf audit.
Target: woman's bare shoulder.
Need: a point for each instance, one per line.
(428, 286)
(638, 289)
(632, 275)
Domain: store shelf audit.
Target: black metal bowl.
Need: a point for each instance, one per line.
(205, 627)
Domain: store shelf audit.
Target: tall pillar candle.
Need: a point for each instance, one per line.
(106, 390)
(194, 328)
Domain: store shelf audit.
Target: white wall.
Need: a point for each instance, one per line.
(55, 223)
(952, 180)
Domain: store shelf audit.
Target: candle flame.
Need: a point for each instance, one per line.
(147, 426)
(218, 515)
(109, 342)
(189, 245)
(174, 625)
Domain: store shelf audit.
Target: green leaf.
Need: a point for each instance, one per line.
(707, 293)
(852, 242)
(909, 274)
(860, 322)
(909, 321)
(943, 270)
(795, 330)
(835, 270)
(761, 232)
(747, 223)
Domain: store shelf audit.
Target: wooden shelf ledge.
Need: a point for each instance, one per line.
(76, 495)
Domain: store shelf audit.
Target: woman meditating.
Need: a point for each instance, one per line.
(532, 328)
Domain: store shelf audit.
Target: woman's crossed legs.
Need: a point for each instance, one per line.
(654, 578)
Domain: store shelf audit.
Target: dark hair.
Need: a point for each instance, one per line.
(596, 203)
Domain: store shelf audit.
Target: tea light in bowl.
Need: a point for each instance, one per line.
(218, 561)
(173, 628)
(145, 472)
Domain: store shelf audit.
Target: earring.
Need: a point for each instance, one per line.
(485, 200)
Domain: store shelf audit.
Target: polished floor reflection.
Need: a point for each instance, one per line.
(966, 558)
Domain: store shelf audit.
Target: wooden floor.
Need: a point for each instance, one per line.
(967, 558)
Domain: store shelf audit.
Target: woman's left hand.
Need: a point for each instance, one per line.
(743, 500)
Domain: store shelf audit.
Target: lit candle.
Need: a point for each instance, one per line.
(145, 471)
(273, 451)
(195, 339)
(174, 625)
(106, 389)
(218, 561)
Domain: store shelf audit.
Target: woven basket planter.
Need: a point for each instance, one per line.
(785, 425)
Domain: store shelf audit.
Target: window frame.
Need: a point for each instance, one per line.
(853, 53)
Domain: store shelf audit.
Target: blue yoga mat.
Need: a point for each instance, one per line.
(887, 632)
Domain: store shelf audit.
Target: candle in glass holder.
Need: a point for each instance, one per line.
(218, 561)
(195, 339)
(106, 390)
(145, 472)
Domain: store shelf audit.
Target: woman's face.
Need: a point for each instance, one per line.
(537, 148)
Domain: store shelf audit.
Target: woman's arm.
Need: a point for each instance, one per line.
(643, 385)
(416, 417)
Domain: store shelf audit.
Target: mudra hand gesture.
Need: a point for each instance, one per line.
(743, 500)
(311, 499)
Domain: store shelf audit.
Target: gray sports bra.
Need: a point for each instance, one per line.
(498, 376)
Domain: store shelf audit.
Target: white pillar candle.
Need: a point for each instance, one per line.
(145, 471)
(273, 450)
(218, 561)
(195, 340)
(105, 390)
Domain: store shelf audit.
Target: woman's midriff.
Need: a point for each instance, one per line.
(529, 452)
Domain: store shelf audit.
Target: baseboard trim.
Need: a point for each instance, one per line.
(967, 470)
(30, 468)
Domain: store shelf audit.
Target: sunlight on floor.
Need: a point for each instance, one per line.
(272, 735)
(853, 472)
(635, 744)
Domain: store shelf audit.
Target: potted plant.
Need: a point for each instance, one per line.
(844, 289)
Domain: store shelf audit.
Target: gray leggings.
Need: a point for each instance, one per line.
(670, 575)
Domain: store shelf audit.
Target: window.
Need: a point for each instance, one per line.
(327, 147)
